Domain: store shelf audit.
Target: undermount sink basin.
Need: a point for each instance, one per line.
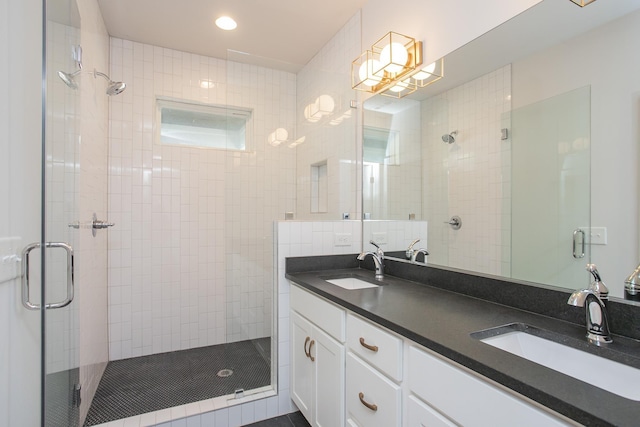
(351, 283)
(598, 371)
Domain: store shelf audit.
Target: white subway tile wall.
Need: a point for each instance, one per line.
(396, 235)
(329, 126)
(471, 177)
(191, 257)
(394, 190)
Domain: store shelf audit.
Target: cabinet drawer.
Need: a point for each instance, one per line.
(378, 347)
(466, 398)
(422, 415)
(376, 390)
(324, 314)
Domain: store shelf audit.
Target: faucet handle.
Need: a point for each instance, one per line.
(598, 285)
(379, 250)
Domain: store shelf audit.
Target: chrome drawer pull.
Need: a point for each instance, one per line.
(371, 406)
(313, 359)
(373, 348)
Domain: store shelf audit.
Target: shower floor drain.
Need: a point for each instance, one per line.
(225, 373)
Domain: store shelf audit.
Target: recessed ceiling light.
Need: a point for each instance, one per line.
(226, 23)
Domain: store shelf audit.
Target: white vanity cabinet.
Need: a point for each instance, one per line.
(317, 359)
(346, 370)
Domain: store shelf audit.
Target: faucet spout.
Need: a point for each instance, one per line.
(596, 315)
(415, 253)
(377, 260)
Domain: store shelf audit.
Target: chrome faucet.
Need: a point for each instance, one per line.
(632, 285)
(415, 253)
(378, 260)
(594, 300)
(410, 250)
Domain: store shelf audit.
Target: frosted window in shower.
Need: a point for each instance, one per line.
(203, 125)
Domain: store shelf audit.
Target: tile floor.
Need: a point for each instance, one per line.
(294, 419)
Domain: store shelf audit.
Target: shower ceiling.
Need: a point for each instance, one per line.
(285, 31)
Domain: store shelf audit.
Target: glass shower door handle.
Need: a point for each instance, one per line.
(579, 232)
(24, 278)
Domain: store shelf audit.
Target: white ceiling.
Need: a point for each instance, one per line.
(287, 32)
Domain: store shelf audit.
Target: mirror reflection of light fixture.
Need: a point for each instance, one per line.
(582, 3)
(393, 67)
(297, 142)
(278, 136)
(321, 107)
(207, 84)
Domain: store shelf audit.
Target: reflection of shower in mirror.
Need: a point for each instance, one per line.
(450, 138)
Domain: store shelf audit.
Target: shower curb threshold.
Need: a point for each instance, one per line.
(191, 409)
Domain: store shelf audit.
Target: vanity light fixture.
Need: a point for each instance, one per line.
(582, 3)
(393, 67)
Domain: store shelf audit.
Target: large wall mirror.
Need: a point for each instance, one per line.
(531, 139)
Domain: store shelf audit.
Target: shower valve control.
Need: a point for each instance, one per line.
(97, 224)
(455, 222)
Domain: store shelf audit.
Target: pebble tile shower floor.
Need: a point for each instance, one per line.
(150, 383)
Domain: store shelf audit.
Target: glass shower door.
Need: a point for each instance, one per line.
(60, 215)
(551, 190)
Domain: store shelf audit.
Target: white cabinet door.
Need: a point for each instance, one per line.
(328, 357)
(302, 368)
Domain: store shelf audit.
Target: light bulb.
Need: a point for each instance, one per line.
(366, 72)
(426, 72)
(399, 87)
(395, 55)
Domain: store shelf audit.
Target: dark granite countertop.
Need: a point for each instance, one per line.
(442, 321)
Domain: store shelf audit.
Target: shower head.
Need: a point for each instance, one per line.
(450, 138)
(114, 88)
(69, 78)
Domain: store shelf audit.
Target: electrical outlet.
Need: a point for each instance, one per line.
(380, 238)
(342, 239)
(9, 258)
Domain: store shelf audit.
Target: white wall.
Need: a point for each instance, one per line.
(190, 257)
(615, 134)
(397, 234)
(469, 178)
(443, 26)
(333, 137)
(394, 190)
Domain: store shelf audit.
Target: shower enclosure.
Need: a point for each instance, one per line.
(186, 272)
